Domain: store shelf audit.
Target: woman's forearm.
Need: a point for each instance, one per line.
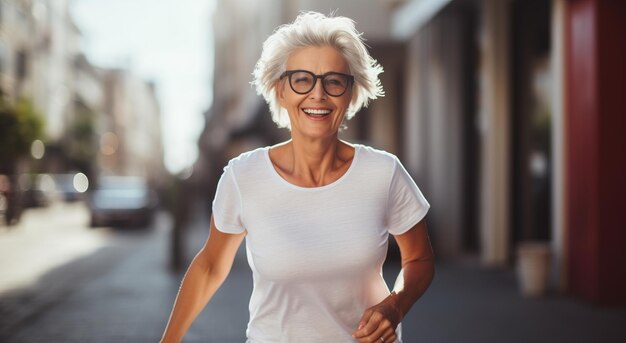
(198, 286)
(411, 284)
(418, 268)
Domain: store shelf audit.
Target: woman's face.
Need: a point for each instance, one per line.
(315, 114)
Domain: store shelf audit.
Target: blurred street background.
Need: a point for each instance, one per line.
(117, 118)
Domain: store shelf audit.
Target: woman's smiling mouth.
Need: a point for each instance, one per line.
(316, 112)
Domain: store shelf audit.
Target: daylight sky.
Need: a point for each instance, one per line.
(167, 41)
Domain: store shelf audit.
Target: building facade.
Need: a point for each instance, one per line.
(16, 48)
(96, 121)
(495, 82)
(129, 129)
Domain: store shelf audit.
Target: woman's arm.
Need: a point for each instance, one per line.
(205, 275)
(418, 267)
(416, 275)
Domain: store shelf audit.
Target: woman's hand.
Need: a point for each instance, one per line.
(379, 322)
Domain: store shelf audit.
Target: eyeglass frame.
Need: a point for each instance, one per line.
(288, 74)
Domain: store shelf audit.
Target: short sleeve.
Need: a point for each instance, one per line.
(406, 204)
(227, 208)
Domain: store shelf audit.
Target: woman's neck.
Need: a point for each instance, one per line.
(314, 159)
(315, 162)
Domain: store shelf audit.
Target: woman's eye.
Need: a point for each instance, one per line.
(334, 82)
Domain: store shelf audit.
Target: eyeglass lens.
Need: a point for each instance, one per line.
(334, 84)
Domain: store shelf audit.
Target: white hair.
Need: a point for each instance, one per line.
(316, 29)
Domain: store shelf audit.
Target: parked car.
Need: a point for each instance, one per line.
(122, 200)
(70, 187)
(38, 189)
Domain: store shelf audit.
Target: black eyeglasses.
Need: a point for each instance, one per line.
(303, 81)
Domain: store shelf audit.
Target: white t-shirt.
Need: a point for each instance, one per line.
(316, 254)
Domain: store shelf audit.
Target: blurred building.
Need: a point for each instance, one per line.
(80, 143)
(40, 60)
(16, 48)
(492, 132)
(96, 121)
(506, 113)
(129, 131)
(56, 40)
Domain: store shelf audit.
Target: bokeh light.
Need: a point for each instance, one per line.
(37, 149)
(80, 182)
(109, 143)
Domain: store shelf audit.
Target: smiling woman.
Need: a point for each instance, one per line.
(316, 30)
(313, 111)
(316, 212)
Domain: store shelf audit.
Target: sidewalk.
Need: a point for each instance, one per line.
(469, 304)
(131, 303)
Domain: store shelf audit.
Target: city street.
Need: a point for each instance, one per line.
(64, 282)
(127, 112)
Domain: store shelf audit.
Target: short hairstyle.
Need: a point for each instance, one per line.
(316, 29)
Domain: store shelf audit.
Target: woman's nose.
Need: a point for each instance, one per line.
(318, 91)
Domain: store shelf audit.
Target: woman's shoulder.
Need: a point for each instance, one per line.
(248, 159)
(375, 162)
(375, 155)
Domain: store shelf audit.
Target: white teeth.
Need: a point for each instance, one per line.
(316, 112)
